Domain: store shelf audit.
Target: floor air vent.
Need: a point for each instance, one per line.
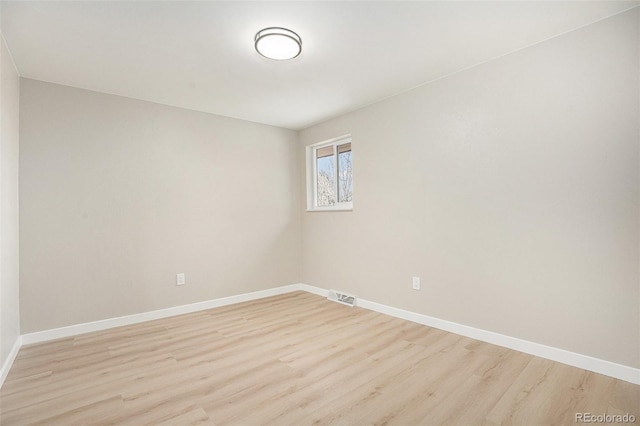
(345, 299)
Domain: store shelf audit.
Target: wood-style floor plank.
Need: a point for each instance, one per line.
(295, 359)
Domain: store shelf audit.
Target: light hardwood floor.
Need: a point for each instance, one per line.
(296, 359)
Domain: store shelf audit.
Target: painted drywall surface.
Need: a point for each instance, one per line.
(117, 196)
(9, 111)
(511, 189)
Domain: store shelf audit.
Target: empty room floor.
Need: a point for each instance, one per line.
(296, 359)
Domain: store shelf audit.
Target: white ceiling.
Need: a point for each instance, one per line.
(200, 55)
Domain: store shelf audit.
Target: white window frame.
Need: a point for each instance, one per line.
(312, 175)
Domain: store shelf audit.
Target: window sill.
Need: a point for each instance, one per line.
(330, 209)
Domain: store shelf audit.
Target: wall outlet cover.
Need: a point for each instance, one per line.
(416, 283)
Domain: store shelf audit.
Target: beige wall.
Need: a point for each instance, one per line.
(511, 188)
(117, 196)
(9, 108)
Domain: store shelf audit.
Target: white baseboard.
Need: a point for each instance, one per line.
(74, 330)
(585, 362)
(6, 365)
(611, 369)
(315, 290)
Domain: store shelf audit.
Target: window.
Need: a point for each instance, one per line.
(330, 175)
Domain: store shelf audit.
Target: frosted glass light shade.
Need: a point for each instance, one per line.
(278, 43)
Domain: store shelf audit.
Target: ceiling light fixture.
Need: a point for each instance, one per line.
(278, 43)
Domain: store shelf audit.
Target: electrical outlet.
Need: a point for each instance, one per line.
(180, 280)
(416, 283)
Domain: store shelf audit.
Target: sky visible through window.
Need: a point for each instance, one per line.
(326, 181)
(334, 186)
(345, 176)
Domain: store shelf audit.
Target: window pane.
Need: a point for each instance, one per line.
(345, 173)
(326, 178)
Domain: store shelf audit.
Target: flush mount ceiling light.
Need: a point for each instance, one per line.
(278, 43)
